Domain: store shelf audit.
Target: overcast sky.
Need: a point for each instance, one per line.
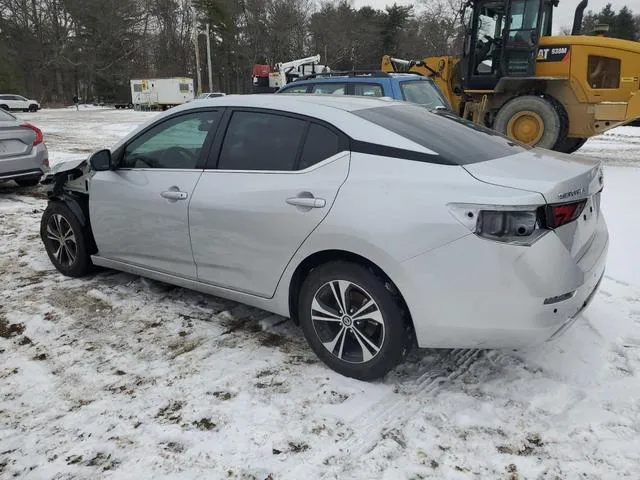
(562, 16)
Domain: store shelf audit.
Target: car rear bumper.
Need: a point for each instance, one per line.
(25, 166)
(475, 293)
(32, 173)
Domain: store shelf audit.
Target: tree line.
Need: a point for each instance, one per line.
(622, 24)
(52, 50)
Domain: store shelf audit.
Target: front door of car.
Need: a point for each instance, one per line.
(20, 103)
(139, 210)
(276, 179)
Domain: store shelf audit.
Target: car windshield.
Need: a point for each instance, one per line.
(458, 141)
(202, 95)
(6, 116)
(423, 93)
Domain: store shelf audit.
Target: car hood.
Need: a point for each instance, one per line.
(557, 176)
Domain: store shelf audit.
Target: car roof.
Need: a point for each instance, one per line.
(334, 109)
(301, 104)
(362, 78)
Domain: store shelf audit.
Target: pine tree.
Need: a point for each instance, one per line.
(624, 25)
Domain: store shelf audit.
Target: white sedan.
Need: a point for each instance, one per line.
(18, 103)
(373, 224)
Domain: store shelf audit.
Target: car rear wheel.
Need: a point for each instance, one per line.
(352, 320)
(531, 120)
(65, 240)
(28, 182)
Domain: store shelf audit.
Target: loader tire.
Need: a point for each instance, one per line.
(570, 145)
(532, 120)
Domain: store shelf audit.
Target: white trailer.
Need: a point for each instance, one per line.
(161, 93)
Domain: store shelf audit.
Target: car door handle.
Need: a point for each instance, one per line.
(308, 202)
(174, 195)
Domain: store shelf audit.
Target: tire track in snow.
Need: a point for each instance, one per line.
(391, 412)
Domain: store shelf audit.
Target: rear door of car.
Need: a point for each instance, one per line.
(303, 88)
(330, 88)
(9, 101)
(368, 89)
(271, 179)
(139, 211)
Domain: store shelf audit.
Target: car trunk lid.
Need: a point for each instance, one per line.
(15, 140)
(560, 179)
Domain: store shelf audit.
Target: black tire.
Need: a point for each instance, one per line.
(27, 182)
(33, 108)
(65, 262)
(552, 122)
(4, 107)
(570, 145)
(392, 340)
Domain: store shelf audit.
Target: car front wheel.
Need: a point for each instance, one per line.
(65, 240)
(352, 320)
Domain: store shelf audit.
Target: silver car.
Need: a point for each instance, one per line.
(23, 154)
(373, 224)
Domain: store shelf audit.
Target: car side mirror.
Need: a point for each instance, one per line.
(100, 160)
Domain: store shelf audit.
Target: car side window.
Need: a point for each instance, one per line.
(174, 143)
(320, 144)
(261, 141)
(329, 89)
(368, 90)
(297, 89)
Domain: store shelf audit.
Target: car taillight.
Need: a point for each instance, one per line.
(563, 213)
(513, 225)
(39, 136)
(501, 224)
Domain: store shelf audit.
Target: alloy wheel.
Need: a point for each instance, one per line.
(348, 321)
(63, 240)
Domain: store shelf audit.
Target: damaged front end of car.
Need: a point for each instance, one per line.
(68, 183)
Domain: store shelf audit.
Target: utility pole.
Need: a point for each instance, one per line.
(209, 59)
(196, 36)
(195, 42)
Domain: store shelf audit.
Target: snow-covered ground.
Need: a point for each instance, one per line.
(115, 376)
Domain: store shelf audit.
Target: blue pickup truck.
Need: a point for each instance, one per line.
(398, 86)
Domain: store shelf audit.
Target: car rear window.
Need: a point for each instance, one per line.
(6, 116)
(456, 141)
(423, 93)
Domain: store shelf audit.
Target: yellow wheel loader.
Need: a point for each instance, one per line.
(548, 91)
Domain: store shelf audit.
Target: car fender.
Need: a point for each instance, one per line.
(68, 182)
(319, 242)
(74, 204)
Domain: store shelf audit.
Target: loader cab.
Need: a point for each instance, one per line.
(502, 40)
